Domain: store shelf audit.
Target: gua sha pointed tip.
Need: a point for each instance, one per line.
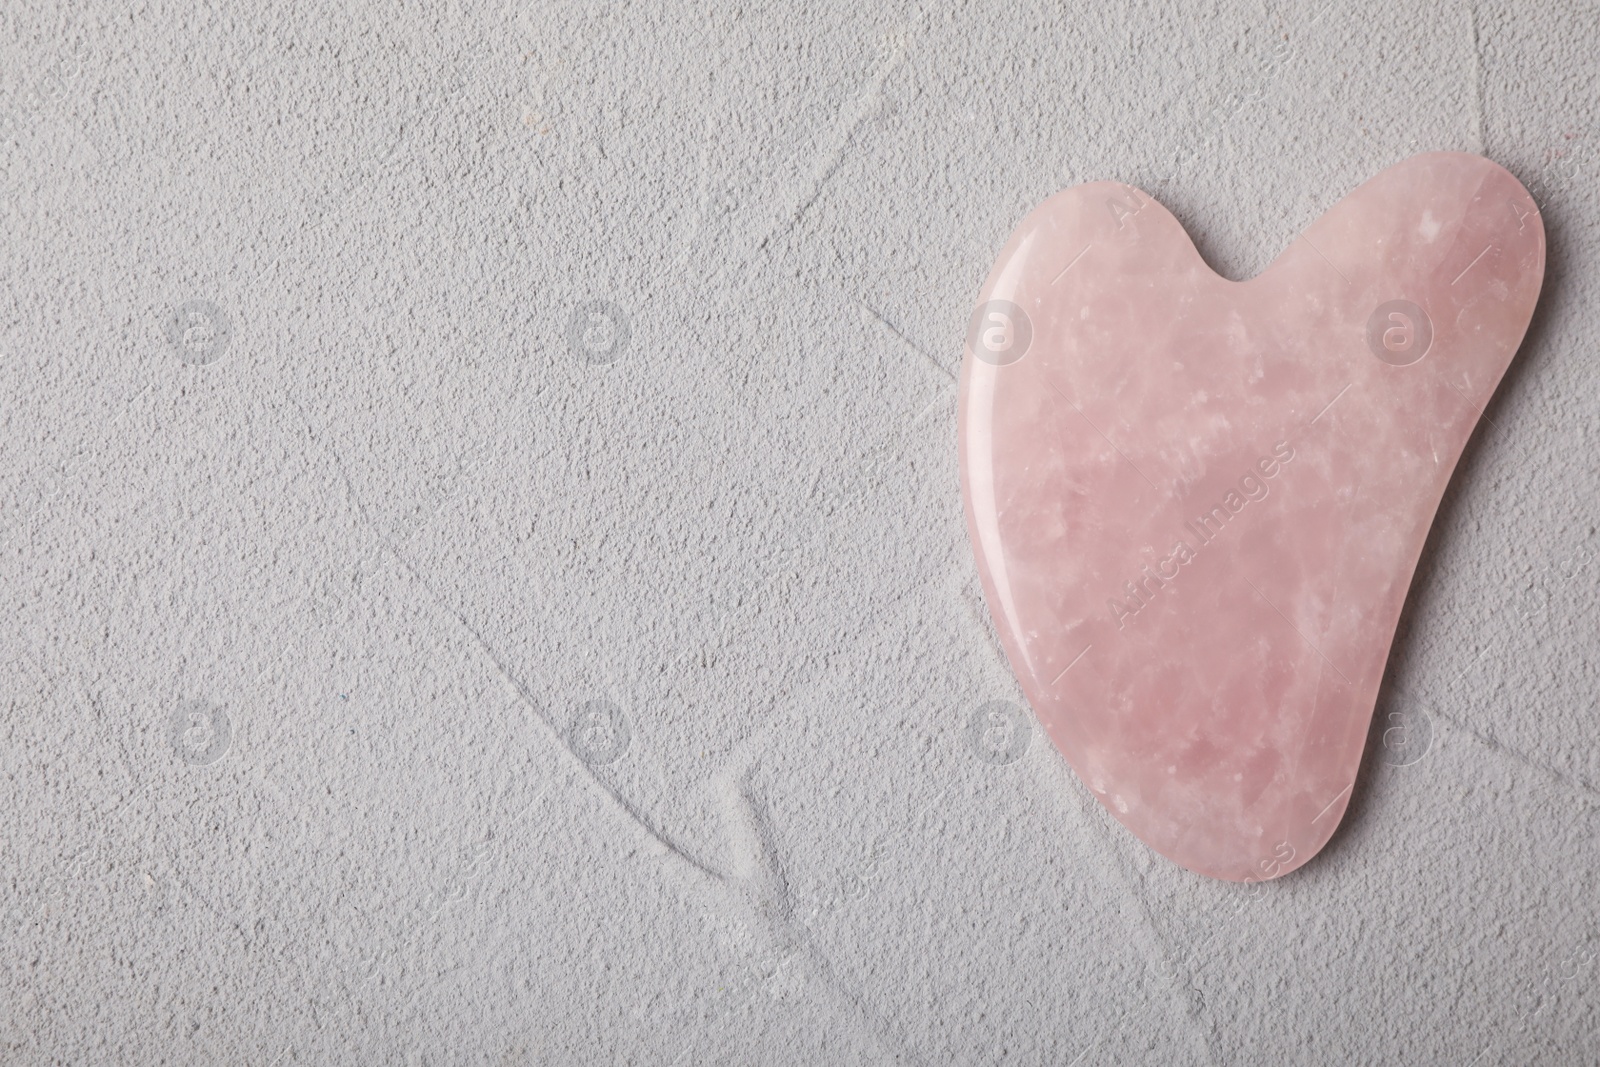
(1196, 504)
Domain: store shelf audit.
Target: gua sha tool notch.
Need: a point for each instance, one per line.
(1196, 504)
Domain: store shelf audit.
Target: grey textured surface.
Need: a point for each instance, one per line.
(403, 665)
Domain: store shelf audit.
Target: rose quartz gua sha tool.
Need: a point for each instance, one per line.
(1196, 504)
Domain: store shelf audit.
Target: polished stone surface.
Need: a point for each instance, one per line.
(1197, 504)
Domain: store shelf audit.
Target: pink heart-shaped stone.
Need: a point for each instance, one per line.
(1196, 504)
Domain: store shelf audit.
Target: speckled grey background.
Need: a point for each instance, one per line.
(484, 578)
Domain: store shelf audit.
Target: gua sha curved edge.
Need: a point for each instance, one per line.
(1196, 504)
